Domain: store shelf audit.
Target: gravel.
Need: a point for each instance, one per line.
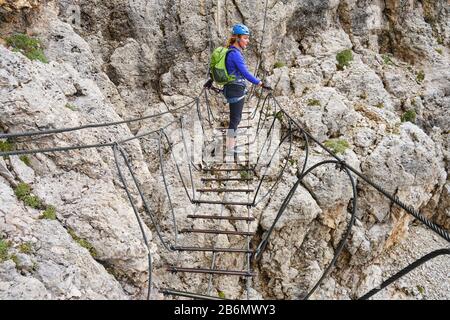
(430, 281)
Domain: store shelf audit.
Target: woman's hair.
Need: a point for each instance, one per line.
(231, 40)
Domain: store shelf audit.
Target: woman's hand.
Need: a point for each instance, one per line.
(264, 86)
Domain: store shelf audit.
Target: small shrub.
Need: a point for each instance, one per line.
(279, 64)
(440, 40)
(5, 146)
(420, 76)
(22, 190)
(84, 243)
(4, 247)
(380, 105)
(23, 193)
(409, 115)
(337, 145)
(343, 58)
(29, 47)
(278, 115)
(25, 159)
(15, 259)
(221, 294)
(26, 247)
(387, 60)
(439, 50)
(49, 213)
(71, 107)
(313, 102)
(33, 202)
(293, 162)
(245, 175)
(363, 95)
(421, 289)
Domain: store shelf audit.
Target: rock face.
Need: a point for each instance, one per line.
(45, 96)
(388, 104)
(14, 5)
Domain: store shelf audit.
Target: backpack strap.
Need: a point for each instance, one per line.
(239, 79)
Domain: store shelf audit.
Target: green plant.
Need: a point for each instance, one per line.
(420, 76)
(343, 58)
(387, 59)
(71, 107)
(337, 145)
(245, 175)
(26, 247)
(279, 64)
(293, 162)
(22, 190)
(440, 40)
(84, 243)
(25, 159)
(439, 50)
(409, 115)
(49, 213)
(221, 294)
(15, 259)
(380, 105)
(33, 202)
(4, 247)
(6, 146)
(29, 47)
(23, 193)
(313, 102)
(278, 115)
(421, 289)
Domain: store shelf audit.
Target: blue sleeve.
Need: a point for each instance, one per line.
(239, 62)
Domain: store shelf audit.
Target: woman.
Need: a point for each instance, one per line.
(235, 91)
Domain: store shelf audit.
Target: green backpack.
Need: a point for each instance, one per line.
(217, 66)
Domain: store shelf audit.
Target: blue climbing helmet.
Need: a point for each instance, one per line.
(240, 29)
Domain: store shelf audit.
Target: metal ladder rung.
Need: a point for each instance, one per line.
(223, 202)
(225, 179)
(212, 217)
(229, 232)
(237, 136)
(188, 294)
(237, 250)
(244, 144)
(239, 127)
(237, 162)
(243, 111)
(213, 271)
(230, 169)
(226, 190)
(243, 154)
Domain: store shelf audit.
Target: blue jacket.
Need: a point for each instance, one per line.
(235, 64)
